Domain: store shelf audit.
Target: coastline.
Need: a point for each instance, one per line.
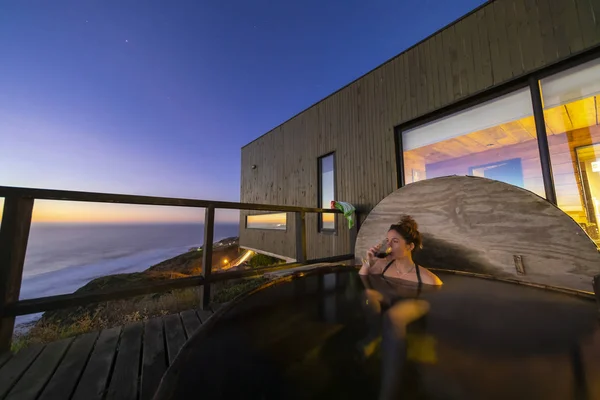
(74, 278)
(72, 321)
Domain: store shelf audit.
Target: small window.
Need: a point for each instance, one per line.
(277, 222)
(327, 222)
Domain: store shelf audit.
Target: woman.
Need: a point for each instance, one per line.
(402, 349)
(403, 239)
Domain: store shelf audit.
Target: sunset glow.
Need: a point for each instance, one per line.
(328, 217)
(79, 212)
(276, 221)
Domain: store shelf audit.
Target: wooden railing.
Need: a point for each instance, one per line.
(14, 233)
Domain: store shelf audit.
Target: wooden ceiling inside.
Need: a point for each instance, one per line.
(576, 115)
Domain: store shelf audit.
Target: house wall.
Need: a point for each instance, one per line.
(497, 43)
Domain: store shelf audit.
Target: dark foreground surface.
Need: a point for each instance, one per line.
(313, 338)
(125, 362)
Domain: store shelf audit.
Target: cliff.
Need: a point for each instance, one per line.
(55, 325)
(181, 266)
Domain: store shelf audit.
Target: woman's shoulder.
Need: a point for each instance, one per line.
(429, 277)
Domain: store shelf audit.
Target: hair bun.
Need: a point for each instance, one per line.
(408, 222)
(408, 228)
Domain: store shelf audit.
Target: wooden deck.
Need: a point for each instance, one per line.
(125, 362)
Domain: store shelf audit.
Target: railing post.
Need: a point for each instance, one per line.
(209, 230)
(300, 237)
(14, 233)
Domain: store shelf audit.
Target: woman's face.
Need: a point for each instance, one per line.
(400, 249)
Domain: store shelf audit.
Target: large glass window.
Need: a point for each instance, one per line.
(326, 191)
(271, 221)
(496, 140)
(572, 111)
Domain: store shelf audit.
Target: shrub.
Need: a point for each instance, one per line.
(261, 260)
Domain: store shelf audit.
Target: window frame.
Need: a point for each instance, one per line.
(454, 108)
(320, 228)
(531, 80)
(579, 172)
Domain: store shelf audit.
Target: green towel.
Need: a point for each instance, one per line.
(348, 210)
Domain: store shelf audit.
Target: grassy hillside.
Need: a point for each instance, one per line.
(63, 323)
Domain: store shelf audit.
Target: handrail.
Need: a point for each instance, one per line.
(95, 197)
(14, 233)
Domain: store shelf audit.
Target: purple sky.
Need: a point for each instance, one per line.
(158, 97)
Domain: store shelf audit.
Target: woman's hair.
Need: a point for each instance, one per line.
(408, 228)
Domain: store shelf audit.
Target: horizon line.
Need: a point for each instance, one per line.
(130, 222)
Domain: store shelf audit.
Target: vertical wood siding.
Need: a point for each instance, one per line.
(499, 42)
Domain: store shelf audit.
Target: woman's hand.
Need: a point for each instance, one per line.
(371, 254)
(369, 261)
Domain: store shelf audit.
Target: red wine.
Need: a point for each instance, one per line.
(380, 254)
(383, 249)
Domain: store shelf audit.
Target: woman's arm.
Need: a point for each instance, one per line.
(369, 262)
(364, 269)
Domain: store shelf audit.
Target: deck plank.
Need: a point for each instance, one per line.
(175, 335)
(16, 367)
(204, 315)
(124, 380)
(64, 380)
(154, 358)
(37, 375)
(4, 357)
(93, 382)
(191, 322)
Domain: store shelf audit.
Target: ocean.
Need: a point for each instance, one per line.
(63, 257)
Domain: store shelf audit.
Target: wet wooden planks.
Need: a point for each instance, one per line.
(154, 357)
(191, 321)
(96, 374)
(12, 371)
(118, 363)
(4, 358)
(124, 382)
(70, 369)
(36, 376)
(175, 335)
(204, 315)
